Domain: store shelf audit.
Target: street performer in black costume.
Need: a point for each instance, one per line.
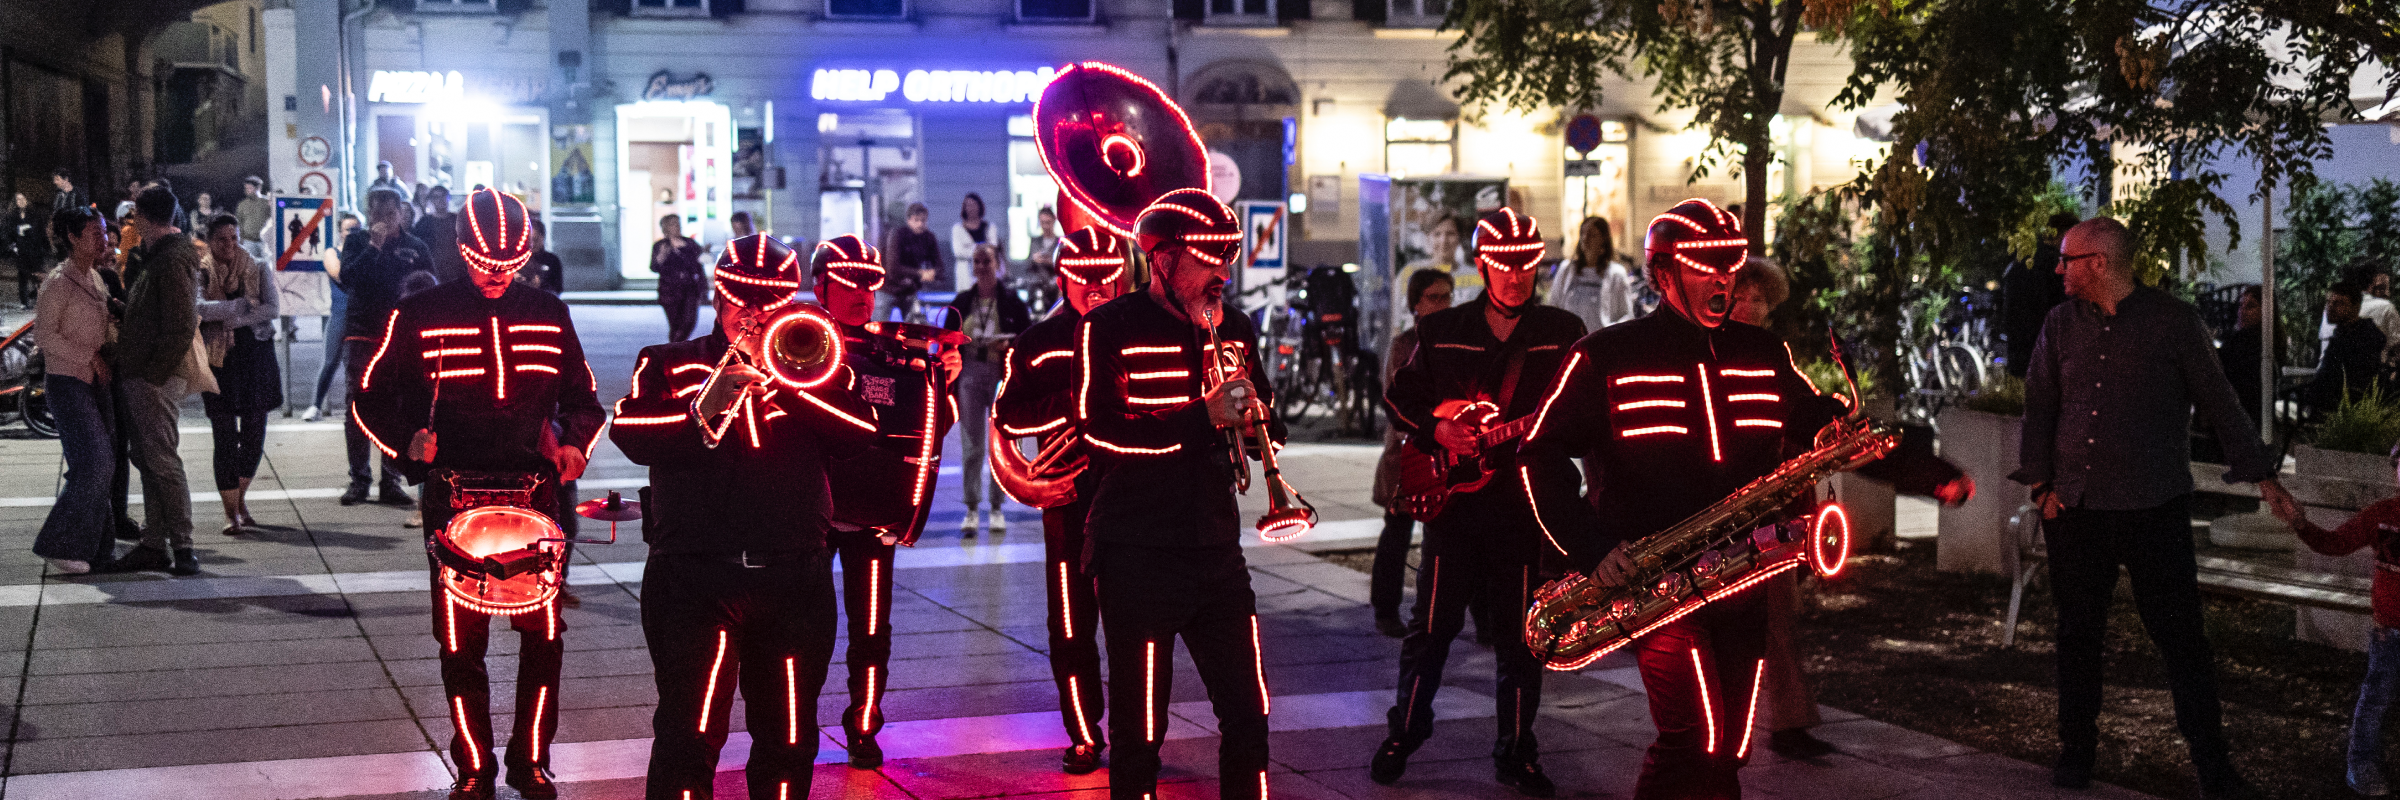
(738, 591)
(1670, 414)
(1037, 398)
(486, 376)
(880, 493)
(1165, 536)
(1478, 367)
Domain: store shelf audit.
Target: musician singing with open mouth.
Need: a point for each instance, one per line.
(1465, 397)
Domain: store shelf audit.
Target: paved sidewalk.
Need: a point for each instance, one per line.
(300, 665)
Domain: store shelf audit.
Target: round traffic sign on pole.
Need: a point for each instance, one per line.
(1583, 133)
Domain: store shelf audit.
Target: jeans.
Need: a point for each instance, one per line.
(2154, 545)
(79, 523)
(334, 351)
(1384, 580)
(977, 381)
(150, 410)
(2374, 698)
(357, 353)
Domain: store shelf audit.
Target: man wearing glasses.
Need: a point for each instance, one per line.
(2108, 407)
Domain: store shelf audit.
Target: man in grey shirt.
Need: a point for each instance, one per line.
(2106, 448)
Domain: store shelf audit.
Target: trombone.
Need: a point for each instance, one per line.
(798, 349)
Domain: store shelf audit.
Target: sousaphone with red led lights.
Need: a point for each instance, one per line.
(1115, 143)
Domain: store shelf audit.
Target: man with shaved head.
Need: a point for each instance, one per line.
(2108, 407)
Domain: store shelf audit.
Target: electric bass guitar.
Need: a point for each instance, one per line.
(1427, 480)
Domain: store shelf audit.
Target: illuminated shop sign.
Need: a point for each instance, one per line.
(930, 86)
(403, 86)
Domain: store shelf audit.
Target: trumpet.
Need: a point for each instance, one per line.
(1288, 514)
(797, 349)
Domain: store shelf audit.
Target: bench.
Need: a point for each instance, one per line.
(2285, 584)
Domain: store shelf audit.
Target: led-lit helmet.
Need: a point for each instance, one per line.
(1507, 242)
(495, 235)
(1091, 267)
(1693, 251)
(757, 272)
(1194, 221)
(847, 260)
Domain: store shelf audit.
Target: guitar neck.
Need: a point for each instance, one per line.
(1507, 431)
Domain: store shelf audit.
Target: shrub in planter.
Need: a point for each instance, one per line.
(2368, 422)
(2004, 396)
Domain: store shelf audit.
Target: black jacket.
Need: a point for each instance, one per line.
(1014, 318)
(904, 253)
(763, 495)
(2352, 364)
(1037, 390)
(371, 277)
(440, 235)
(1457, 358)
(1165, 473)
(1669, 418)
(507, 369)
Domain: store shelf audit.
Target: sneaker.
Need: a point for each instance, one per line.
(472, 787)
(69, 566)
(966, 527)
(142, 559)
(533, 784)
(864, 752)
(312, 414)
(357, 494)
(1391, 759)
(999, 522)
(1524, 775)
(1082, 759)
(2366, 778)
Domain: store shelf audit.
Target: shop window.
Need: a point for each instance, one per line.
(1420, 146)
(1054, 10)
(1417, 13)
(1242, 10)
(866, 9)
(671, 8)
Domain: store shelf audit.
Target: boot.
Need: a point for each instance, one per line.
(1082, 759)
(1517, 765)
(186, 563)
(864, 752)
(1391, 759)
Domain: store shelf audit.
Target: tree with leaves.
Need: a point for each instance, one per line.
(1722, 59)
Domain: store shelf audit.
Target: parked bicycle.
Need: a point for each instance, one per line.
(1313, 359)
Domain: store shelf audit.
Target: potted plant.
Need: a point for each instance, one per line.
(2354, 442)
(1981, 435)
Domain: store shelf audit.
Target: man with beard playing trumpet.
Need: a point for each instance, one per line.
(738, 591)
(1037, 398)
(1165, 548)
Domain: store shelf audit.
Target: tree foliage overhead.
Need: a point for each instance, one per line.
(1724, 60)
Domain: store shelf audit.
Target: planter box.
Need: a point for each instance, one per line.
(1974, 536)
(2361, 467)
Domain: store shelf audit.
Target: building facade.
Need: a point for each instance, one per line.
(822, 117)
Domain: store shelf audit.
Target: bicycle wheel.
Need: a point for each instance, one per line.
(33, 404)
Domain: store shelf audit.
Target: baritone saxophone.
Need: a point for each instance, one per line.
(1712, 554)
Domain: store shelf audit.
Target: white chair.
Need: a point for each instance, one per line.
(2022, 562)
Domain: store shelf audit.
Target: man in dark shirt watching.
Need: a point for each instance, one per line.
(438, 229)
(2108, 406)
(2353, 357)
(910, 255)
(374, 262)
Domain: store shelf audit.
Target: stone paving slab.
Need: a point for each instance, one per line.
(305, 668)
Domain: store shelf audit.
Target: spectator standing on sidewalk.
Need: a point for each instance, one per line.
(994, 316)
(970, 232)
(676, 259)
(1428, 292)
(910, 257)
(438, 229)
(545, 271)
(154, 347)
(254, 211)
(74, 328)
(332, 326)
(2106, 449)
(23, 236)
(374, 262)
(238, 306)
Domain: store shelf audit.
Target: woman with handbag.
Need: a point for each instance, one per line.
(237, 325)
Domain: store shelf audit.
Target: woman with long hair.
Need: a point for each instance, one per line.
(1428, 291)
(74, 329)
(971, 231)
(238, 306)
(1595, 284)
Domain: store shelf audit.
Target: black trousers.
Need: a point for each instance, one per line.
(362, 453)
(1148, 597)
(1701, 673)
(1074, 624)
(1390, 570)
(681, 299)
(867, 608)
(713, 626)
(240, 443)
(1462, 562)
(465, 634)
(2154, 545)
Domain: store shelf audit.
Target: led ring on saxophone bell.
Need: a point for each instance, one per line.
(500, 560)
(1829, 540)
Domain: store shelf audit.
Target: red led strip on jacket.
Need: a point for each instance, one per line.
(1708, 404)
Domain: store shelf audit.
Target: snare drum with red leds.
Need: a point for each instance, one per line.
(500, 560)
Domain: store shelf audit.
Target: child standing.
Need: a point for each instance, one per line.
(2377, 525)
